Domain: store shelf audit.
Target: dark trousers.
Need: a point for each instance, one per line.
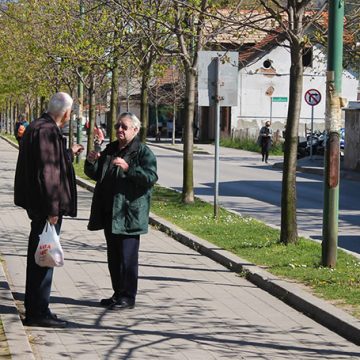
(123, 263)
(38, 279)
(265, 148)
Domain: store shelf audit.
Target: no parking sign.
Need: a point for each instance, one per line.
(312, 97)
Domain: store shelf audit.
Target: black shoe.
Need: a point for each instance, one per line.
(109, 301)
(50, 320)
(123, 304)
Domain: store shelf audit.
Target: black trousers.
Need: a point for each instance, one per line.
(123, 262)
(38, 279)
(265, 148)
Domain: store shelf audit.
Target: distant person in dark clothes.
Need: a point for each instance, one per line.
(20, 127)
(45, 187)
(125, 172)
(265, 140)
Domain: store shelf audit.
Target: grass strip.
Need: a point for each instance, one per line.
(250, 145)
(4, 348)
(259, 244)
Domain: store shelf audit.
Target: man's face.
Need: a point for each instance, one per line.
(125, 131)
(66, 118)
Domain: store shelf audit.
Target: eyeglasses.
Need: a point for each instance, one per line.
(120, 125)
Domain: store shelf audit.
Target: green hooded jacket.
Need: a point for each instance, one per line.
(130, 191)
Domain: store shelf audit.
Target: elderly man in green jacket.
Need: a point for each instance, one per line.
(125, 172)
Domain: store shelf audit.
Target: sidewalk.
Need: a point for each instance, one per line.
(188, 307)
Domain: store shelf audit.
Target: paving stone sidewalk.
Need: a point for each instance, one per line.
(188, 306)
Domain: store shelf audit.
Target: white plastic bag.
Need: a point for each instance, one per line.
(49, 252)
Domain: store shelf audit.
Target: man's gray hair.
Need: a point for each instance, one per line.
(136, 123)
(59, 103)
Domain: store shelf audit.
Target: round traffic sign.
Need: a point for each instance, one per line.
(313, 97)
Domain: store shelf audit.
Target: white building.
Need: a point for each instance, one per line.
(264, 73)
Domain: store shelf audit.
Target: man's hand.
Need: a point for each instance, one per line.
(77, 149)
(92, 156)
(120, 162)
(53, 219)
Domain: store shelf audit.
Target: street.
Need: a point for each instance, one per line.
(253, 188)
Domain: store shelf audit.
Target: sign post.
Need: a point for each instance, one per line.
(312, 98)
(276, 99)
(217, 86)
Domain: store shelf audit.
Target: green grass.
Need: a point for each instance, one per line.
(79, 170)
(259, 244)
(9, 137)
(4, 348)
(249, 145)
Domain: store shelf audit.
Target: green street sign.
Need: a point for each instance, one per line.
(279, 99)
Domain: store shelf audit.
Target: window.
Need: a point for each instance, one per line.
(307, 57)
(267, 64)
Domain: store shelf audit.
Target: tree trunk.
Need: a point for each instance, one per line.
(92, 114)
(174, 123)
(42, 105)
(8, 112)
(10, 120)
(288, 197)
(14, 117)
(37, 108)
(114, 98)
(156, 112)
(144, 105)
(188, 175)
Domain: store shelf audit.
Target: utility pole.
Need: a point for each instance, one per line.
(332, 126)
(216, 103)
(80, 94)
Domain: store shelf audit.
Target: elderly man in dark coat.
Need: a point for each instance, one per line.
(45, 186)
(125, 173)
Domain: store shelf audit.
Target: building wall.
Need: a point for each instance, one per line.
(352, 139)
(258, 86)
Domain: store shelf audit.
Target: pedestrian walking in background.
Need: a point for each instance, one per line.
(45, 187)
(125, 172)
(20, 127)
(265, 139)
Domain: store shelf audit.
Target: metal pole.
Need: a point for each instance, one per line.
(311, 132)
(271, 101)
(332, 126)
(217, 137)
(80, 97)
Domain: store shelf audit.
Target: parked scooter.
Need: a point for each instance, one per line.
(316, 141)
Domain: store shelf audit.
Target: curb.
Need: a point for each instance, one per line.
(319, 310)
(169, 147)
(17, 340)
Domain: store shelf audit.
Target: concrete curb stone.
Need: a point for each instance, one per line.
(15, 334)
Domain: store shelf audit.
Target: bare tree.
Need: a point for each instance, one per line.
(295, 24)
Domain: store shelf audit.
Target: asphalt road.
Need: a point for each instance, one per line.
(253, 188)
